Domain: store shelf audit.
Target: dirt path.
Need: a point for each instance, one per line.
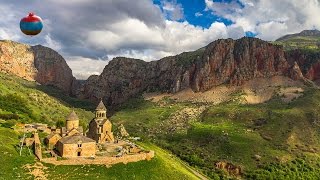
(36, 170)
(196, 173)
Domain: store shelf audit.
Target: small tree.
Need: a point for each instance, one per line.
(59, 123)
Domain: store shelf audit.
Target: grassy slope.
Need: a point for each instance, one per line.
(21, 97)
(11, 162)
(163, 166)
(232, 132)
(300, 42)
(24, 99)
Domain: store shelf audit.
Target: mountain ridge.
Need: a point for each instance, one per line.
(224, 61)
(314, 33)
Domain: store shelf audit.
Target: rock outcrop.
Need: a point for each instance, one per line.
(52, 68)
(37, 63)
(307, 61)
(234, 62)
(17, 59)
(221, 62)
(227, 61)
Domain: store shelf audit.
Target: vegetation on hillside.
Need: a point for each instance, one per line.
(163, 166)
(248, 136)
(25, 102)
(300, 42)
(188, 58)
(22, 101)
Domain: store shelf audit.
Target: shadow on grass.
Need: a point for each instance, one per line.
(66, 99)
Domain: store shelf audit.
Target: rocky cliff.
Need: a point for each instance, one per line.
(52, 68)
(36, 63)
(17, 59)
(224, 61)
(221, 62)
(308, 61)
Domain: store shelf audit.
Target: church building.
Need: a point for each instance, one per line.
(100, 128)
(71, 142)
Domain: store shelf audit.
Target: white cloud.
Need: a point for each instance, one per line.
(198, 14)
(173, 10)
(127, 28)
(82, 67)
(270, 19)
(128, 33)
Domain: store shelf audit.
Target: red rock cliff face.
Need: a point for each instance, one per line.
(37, 63)
(234, 62)
(221, 62)
(52, 69)
(309, 63)
(17, 59)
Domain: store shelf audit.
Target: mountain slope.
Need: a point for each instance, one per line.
(37, 63)
(272, 139)
(27, 100)
(227, 61)
(307, 39)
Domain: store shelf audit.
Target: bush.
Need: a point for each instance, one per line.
(9, 123)
(9, 116)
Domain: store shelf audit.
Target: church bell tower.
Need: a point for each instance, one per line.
(101, 111)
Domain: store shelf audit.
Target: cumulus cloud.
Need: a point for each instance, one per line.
(270, 19)
(82, 67)
(173, 10)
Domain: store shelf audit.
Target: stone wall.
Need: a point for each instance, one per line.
(52, 141)
(37, 146)
(71, 150)
(103, 160)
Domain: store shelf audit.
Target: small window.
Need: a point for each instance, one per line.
(79, 145)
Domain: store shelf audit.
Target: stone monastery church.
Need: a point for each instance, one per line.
(70, 141)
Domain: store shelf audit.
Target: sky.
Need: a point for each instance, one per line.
(89, 33)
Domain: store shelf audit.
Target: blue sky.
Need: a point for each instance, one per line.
(191, 7)
(150, 29)
(196, 13)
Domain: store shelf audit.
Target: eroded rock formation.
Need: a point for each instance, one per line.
(37, 63)
(221, 62)
(227, 61)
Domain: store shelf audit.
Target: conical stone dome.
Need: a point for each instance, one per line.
(101, 107)
(72, 117)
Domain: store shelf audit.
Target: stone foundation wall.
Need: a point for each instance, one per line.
(102, 160)
(37, 146)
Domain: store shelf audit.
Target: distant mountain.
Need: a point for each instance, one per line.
(307, 39)
(305, 33)
(225, 61)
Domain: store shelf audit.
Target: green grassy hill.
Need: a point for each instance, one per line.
(28, 102)
(273, 139)
(163, 166)
(309, 39)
